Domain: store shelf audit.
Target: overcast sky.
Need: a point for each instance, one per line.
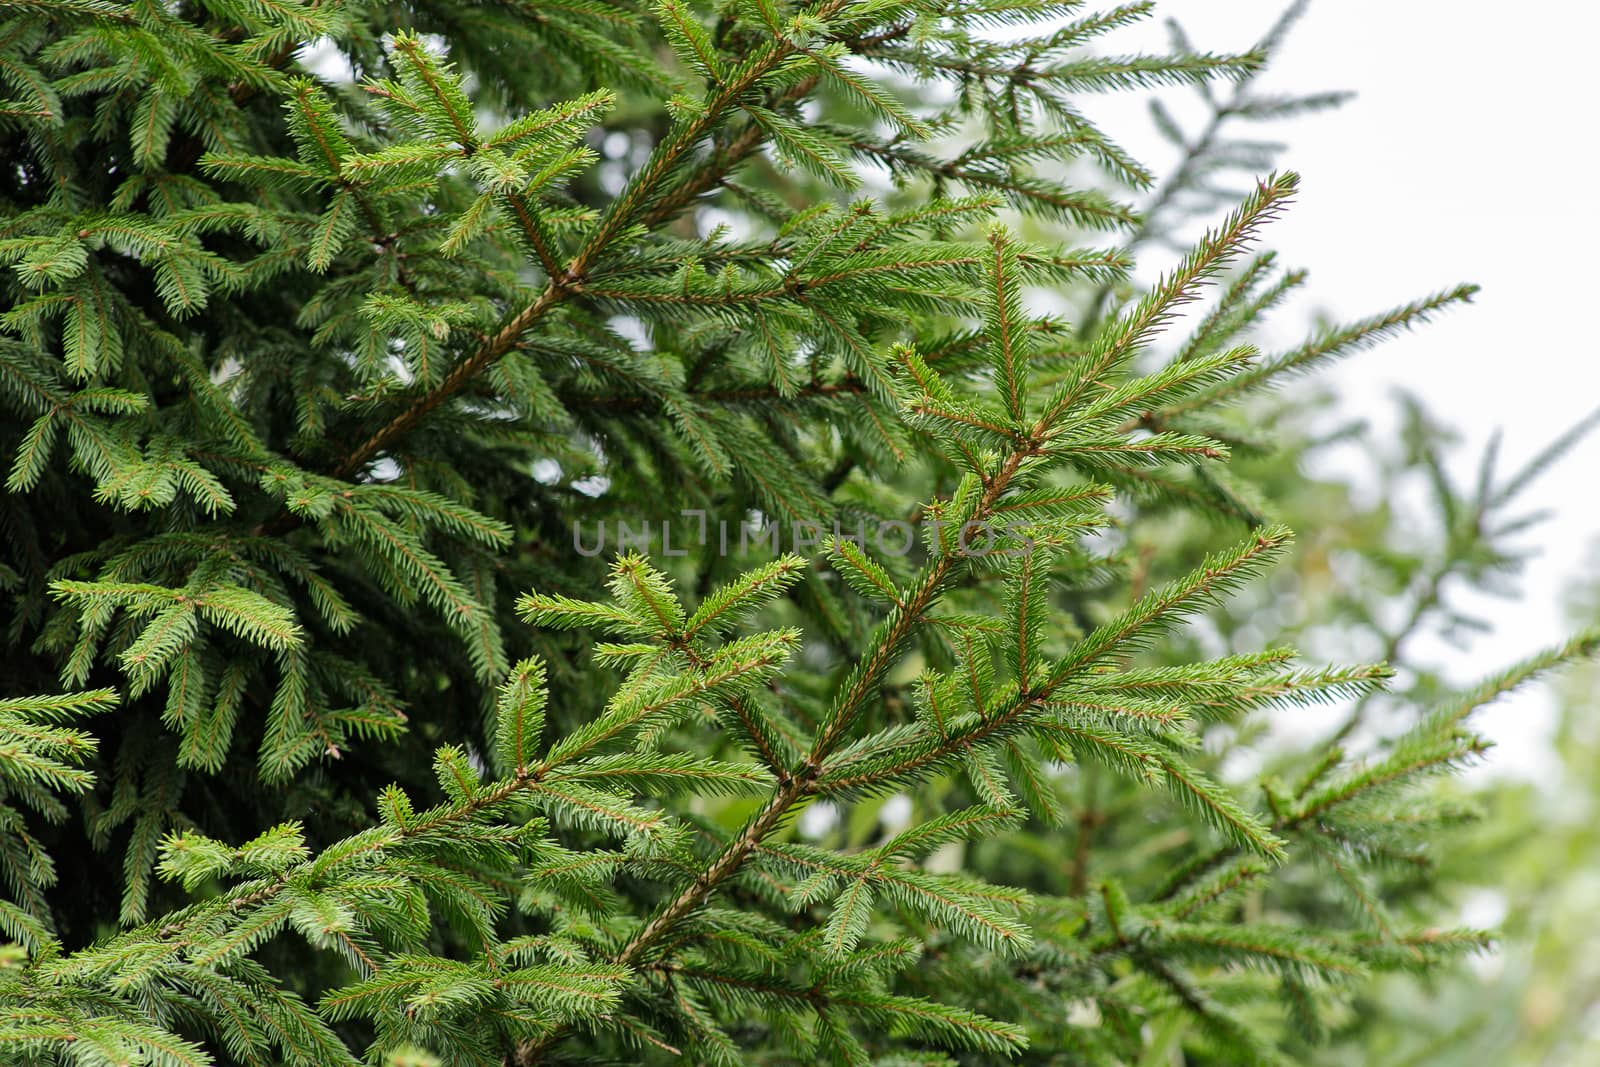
(1466, 156)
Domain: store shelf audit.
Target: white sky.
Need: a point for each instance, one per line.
(1467, 155)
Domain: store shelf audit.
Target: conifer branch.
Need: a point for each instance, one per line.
(565, 282)
(299, 379)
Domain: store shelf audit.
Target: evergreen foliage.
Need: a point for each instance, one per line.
(311, 384)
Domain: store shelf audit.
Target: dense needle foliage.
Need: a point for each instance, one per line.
(357, 704)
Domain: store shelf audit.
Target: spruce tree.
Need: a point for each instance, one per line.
(339, 336)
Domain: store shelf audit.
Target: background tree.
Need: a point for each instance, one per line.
(309, 380)
(1519, 855)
